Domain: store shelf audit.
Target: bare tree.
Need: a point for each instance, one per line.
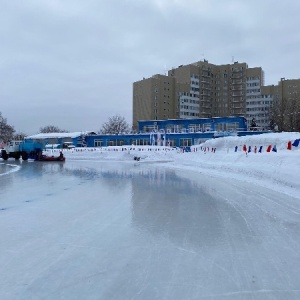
(19, 136)
(277, 114)
(293, 113)
(6, 131)
(115, 125)
(51, 128)
(285, 114)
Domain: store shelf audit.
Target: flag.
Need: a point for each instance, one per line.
(296, 143)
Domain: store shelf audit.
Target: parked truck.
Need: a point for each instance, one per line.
(20, 149)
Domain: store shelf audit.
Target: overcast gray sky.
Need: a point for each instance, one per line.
(72, 63)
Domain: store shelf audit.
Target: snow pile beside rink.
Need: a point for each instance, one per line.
(280, 140)
(271, 159)
(122, 153)
(276, 166)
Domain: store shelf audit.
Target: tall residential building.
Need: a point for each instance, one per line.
(198, 90)
(153, 98)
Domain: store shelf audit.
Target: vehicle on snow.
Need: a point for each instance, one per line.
(20, 149)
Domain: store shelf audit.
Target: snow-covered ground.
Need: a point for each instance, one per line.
(223, 157)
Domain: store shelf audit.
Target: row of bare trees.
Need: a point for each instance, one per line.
(115, 125)
(8, 132)
(285, 114)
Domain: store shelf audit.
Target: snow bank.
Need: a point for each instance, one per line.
(279, 170)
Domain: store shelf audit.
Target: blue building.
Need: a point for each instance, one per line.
(228, 124)
(176, 133)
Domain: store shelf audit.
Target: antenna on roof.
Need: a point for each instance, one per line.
(165, 69)
(232, 59)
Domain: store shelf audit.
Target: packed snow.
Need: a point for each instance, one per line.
(271, 159)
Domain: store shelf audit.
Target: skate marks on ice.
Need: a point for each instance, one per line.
(6, 169)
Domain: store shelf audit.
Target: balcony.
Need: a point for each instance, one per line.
(205, 93)
(237, 94)
(237, 100)
(237, 76)
(205, 80)
(237, 82)
(236, 88)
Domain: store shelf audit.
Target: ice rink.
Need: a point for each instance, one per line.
(124, 230)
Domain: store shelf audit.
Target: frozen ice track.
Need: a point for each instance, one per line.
(86, 230)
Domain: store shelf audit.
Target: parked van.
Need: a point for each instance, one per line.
(68, 145)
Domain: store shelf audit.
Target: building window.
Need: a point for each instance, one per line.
(185, 142)
(98, 143)
(140, 142)
(116, 142)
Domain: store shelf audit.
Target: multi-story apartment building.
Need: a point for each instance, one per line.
(258, 99)
(153, 98)
(205, 90)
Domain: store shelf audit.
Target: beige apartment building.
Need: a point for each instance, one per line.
(204, 90)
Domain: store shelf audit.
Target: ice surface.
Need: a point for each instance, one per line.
(125, 230)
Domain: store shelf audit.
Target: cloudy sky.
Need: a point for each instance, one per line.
(72, 63)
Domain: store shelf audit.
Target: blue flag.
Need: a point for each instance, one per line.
(296, 143)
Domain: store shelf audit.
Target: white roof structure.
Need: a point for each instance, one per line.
(59, 135)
